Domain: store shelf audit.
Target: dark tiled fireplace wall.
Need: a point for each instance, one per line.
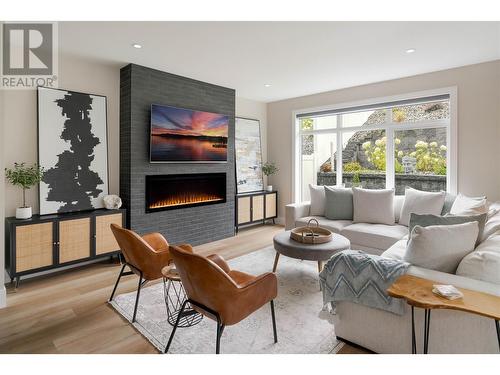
(139, 88)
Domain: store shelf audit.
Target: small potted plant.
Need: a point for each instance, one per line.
(25, 177)
(269, 169)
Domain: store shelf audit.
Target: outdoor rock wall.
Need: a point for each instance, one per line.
(377, 181)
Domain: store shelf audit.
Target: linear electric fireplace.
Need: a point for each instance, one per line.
(169, 192)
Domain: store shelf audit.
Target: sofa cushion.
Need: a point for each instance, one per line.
(464, 205)
(317, 193)
(421, 202)
(428, 220)
(334, 225)
(484, 262)
(373, 206)
(441, 247)
(396, 251)
(493, 223)
(338, 204)
(378, 236)
(398, 203)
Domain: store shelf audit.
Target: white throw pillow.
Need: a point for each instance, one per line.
(466, 206)
(484, 262)
(441, 247)
(493, 223)
(318, 200)
(422, 203)
(373, 206)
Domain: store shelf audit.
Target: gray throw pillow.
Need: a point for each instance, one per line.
(338, 203)
(448, 202)
(428, 220)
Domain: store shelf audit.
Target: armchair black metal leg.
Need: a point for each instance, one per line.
(274, 322)
(117, 282)
(137, 297)
(175, 326)
(220, 329)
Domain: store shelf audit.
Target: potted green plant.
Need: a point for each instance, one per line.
(269, 169)
(25, 177)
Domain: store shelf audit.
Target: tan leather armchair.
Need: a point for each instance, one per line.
(224, 295)
(145, 256)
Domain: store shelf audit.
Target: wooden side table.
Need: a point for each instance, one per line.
(418, 293)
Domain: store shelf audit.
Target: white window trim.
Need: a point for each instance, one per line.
(452, 132)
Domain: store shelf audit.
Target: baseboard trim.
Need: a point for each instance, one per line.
(3, 296)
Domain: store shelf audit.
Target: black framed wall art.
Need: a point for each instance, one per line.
(248, 156)
(72, 149)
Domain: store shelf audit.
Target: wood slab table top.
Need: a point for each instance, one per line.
(418, 292)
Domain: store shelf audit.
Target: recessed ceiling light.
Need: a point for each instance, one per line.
(135, 45)
(410, 50)
(267, 85)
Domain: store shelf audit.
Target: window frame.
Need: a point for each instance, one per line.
(389, 126)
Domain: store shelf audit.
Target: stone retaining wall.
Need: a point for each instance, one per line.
(424, 182)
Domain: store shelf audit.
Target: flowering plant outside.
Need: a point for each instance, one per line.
(430, 157)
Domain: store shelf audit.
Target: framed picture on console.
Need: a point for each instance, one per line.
(248, 155)
(72, 149)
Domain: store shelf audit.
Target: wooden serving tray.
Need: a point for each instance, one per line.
(311, 235)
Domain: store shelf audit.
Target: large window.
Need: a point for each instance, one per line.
(387, 145)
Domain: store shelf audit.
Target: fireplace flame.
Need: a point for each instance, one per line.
(185, 199)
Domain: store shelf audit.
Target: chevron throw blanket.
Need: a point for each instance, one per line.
(354, 276)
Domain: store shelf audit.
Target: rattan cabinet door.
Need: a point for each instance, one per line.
(74, 239)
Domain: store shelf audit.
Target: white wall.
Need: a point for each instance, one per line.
(478, 123)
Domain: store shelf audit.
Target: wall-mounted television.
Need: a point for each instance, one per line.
(180, 135)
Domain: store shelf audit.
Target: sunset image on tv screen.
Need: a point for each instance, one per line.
(185, 135)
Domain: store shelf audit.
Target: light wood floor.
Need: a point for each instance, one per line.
(68, 312)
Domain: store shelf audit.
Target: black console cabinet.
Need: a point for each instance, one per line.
(51, 241)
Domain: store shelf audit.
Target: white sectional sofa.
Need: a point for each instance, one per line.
(384, 332)
(372, 238)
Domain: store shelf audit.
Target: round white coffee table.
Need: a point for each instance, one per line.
(284, 245)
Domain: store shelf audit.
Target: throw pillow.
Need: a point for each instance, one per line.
(441, 247)
(317, 193)
(428, 220)
(421, 202)
(373, 206)
(469, 205)
(339, 204)
(484, 262)
(448, 202)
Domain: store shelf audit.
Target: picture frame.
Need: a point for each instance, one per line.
(72, 149)
(248, 155)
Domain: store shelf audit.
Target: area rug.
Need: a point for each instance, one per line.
(302, 325)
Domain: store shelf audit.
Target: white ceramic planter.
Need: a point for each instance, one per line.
(269, 187)
(23, 213)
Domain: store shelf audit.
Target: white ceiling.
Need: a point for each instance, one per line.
(296, 58)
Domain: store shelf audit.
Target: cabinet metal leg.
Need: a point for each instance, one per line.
(18, 280)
